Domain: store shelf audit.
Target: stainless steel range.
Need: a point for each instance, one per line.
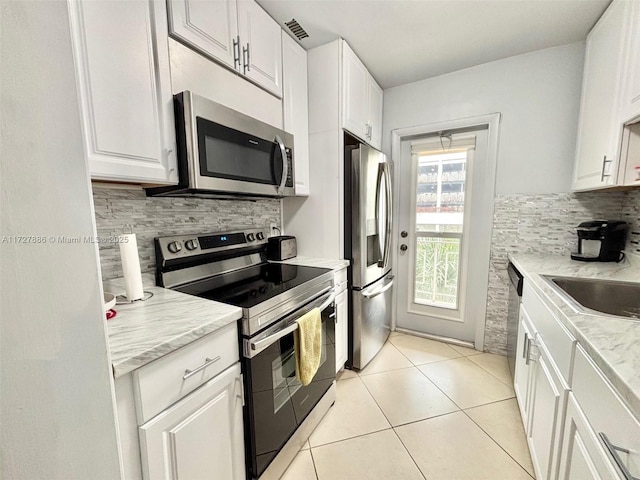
(231, 267)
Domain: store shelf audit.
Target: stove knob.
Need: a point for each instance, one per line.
(251, 237)
(191, 244)
(260, 236)
(174, 247)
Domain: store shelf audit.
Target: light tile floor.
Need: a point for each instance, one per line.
(420, 410)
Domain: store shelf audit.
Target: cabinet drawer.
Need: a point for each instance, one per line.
(606, 411)
(558, 340)
(340, 280)
(166, 380)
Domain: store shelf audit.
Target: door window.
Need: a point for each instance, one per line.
(439, 211)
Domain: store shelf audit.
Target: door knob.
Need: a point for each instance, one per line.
(403, 247)
(404, 234)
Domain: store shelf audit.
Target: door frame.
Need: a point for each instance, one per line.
(492, 122)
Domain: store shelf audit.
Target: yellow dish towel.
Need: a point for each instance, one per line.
(308, 346)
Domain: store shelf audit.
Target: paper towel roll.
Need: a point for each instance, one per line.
(131, 267)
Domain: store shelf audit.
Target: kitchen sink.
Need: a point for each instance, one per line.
(605, 296)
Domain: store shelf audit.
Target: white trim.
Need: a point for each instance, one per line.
(492, 121)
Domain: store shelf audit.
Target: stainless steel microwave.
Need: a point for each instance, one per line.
(224, 153)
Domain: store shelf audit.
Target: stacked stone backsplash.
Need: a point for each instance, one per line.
(545, 224)
(149, 217)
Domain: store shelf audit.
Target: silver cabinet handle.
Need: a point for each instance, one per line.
(613, 450)
(207, 362)
(525, 347)
(285, 165)
(530, 359)
(246, 55)
(604, 164)
(236, 56)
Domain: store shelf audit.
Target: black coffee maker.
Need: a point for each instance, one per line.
(601, 241)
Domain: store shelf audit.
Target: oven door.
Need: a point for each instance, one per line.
(276, 402)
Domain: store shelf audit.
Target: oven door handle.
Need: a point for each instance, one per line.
(265, 342)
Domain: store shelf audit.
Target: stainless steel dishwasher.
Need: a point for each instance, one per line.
(516, 282)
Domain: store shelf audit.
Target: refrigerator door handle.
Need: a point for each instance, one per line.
(379, 291)
(382, 242)
(389, 212)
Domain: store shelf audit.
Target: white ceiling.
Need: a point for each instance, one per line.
(401, 41)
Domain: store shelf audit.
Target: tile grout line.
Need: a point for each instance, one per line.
(313, 462)
(495, 441)
(409, 453)
(351, 438)
(490, 373)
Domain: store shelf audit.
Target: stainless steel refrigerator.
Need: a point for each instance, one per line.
(368, 223)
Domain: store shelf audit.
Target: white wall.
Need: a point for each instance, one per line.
(192, 71)
(538, 95)
(57, 406)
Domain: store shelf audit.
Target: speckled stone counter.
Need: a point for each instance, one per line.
(333, 264)
(144, 331)
(612, 343)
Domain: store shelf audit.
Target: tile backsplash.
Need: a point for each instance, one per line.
(149, 217)
(545, 224)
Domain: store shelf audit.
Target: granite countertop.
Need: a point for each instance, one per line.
(612, 342)
(144, 331)
(332, 263)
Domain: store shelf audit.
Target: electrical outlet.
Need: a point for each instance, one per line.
(274, 229)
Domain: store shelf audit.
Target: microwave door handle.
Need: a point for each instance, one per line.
(285, 165)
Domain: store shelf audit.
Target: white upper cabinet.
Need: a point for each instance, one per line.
(601, 111)
(296, 108)
(631, 98)
(122, 63)
(236, 33)
(261, 42)
(361, 100)
(208, 26)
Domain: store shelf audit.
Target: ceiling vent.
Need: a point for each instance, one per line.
(296, 29)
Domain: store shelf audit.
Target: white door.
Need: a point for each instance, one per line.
(125, 90)
(445, 217)
(261, 45)
(354, 101)
(211, 27)
(199, 437)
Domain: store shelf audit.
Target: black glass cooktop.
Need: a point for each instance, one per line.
(249, 287)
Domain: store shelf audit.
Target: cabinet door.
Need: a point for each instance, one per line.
(548, 397)
(124, 81)
(522, 376)
(210, 26)
(199, 437)
(582, 456)
(375, 113)
(631, 100)
(261, 45)
(600, 127)
(342, 330)
(355, 93)
(296, 108)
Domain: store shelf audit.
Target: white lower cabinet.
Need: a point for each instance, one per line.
(577, 426)
(546, 410)
(342, 319)
(522, 377)
(582, 456)
(199, 437)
